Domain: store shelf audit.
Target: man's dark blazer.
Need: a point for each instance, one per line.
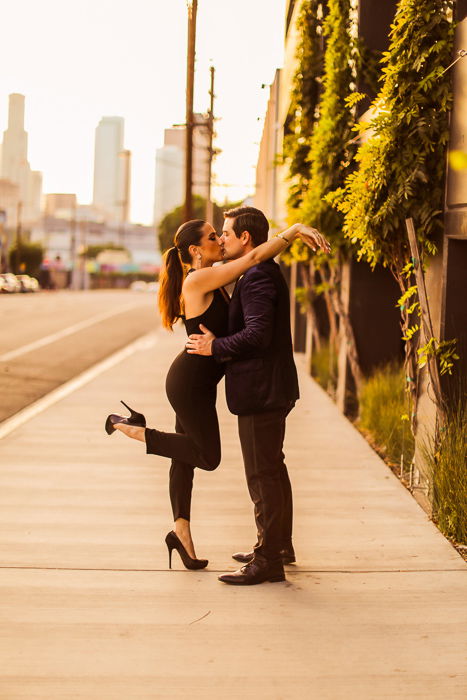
(260, 371)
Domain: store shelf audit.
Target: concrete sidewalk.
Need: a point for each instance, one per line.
(376, 606)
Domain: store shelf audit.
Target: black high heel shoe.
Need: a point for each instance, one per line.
(172, 543)
(136, 419)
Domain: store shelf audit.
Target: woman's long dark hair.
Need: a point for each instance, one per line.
(174, 269)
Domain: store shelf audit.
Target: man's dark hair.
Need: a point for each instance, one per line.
(251, 220)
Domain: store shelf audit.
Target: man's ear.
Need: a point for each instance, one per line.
(246, 237)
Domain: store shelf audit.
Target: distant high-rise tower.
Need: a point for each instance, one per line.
(111, 170)
(170, 167)
(15, 142)
(14, 161)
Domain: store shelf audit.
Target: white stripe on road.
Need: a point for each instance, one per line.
(53, 337)
(144, 343)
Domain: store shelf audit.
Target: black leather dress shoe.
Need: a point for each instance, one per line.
(287, 556)
(256, 571)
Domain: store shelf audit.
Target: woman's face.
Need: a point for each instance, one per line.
(210, 246)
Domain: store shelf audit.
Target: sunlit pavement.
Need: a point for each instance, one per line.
(376, 606)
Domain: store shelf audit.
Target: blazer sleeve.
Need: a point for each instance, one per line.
(258, 298)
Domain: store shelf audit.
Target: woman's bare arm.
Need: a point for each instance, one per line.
(209, 278)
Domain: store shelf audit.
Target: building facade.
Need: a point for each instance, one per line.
(369, 296)
(170, 166)
(15, 167)
(111, 170)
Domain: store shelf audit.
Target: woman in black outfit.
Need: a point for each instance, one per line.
(197, 297)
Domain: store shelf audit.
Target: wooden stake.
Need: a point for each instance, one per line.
(425, 311)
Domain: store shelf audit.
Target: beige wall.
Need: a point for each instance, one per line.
(271, 177)
(437, 277)
(265, 197)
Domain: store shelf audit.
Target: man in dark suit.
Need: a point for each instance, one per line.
(261, 389)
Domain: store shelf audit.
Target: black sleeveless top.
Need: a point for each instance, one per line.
(216, 316)
(191, 374)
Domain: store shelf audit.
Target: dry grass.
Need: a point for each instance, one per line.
(447, 461)
(384, 414)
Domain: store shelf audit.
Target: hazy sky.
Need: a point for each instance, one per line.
(78, 61)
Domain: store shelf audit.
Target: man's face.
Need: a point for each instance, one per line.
(232, 247)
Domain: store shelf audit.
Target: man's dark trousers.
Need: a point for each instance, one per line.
(261, 387)
(262, 438)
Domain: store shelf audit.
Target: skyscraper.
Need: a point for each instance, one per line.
(14, 161)
(111, 170)
(170, 166)
(15, 143)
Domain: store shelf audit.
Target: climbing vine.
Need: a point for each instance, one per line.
(306, 87)
(329, 157)
(400, 168)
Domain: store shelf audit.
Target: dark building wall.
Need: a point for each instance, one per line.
(374, 316)
(454, 316)
(374, 21)
(453, 313)
(375, 17)
(461, 10)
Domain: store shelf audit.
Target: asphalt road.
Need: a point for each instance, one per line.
(50, 337)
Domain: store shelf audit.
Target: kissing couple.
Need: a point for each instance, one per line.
(246, 338)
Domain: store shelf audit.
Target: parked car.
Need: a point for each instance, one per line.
(153, 287)
(28, 284)
(9, 283)
(138, 286)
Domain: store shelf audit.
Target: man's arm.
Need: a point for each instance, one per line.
(258, 296)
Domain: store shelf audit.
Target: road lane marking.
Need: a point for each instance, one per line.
(53, 337)
(10, 424)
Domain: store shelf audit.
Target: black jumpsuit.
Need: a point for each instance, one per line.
(191, 387)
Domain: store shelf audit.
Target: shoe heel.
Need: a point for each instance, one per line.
(109, 428)
(276, 579)
(135, 417)
(170, 548)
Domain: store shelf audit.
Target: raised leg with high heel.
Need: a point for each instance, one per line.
(136, 419)
(172, 543)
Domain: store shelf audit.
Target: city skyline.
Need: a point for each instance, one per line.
(121, 59)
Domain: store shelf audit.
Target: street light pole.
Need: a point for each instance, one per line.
(74, 268)
(209, 204)
(19, 235)
(190, 78)
(3, 243)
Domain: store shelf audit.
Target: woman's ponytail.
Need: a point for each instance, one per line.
(176, 261)
(170, 288)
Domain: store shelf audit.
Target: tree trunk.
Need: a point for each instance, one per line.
(307, 282)
(345, 324)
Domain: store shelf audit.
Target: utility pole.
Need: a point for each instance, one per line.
(74, 268)
(19, 237)
(190, 79)
(124, 191)
(3, 243)
(209, 204)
